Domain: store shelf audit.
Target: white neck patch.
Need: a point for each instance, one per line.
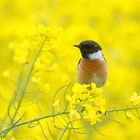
(96, 55)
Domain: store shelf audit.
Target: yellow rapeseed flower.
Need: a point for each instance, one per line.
(6, 73)
(86, 101)
(135, 99)
(74, 115)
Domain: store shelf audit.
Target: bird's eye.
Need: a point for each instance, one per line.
(86, 49)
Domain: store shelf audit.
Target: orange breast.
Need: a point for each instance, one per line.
(92, 71)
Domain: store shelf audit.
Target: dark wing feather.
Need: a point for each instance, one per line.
(78, 63)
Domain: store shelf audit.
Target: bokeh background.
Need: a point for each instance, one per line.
(113, 24)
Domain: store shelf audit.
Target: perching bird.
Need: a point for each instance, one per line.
(92, 67)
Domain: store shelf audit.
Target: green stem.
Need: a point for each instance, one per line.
(27, 79)
(13, 97)
(122, 109)
(10, 127)
(63, 132)
(31, 121)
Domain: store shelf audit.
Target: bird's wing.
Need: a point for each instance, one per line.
(78, 64)
(104, 59)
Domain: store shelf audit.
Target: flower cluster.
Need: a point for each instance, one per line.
(25, 48)
(86, 102)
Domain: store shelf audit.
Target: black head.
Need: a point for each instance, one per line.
(88, 47)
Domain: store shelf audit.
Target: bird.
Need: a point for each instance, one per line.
(92, 67)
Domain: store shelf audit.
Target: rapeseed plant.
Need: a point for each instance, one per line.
(38, 63)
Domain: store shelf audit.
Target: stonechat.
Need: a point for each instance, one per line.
(92, 67)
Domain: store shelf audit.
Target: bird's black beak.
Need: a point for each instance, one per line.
(76, 46)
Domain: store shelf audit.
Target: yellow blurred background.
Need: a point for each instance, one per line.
(113, 24)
